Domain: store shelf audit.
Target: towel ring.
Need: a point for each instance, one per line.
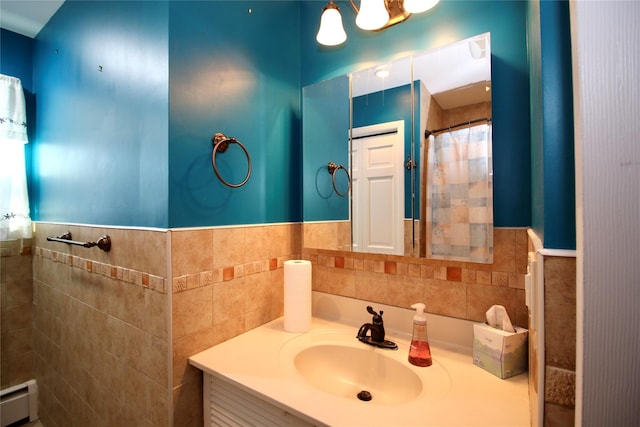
(220, 144)
(333, 170)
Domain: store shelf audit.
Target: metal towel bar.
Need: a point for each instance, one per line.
(103, 243)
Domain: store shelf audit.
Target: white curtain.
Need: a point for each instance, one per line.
(15, 222)
(460, 195)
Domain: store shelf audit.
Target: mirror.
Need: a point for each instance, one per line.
(325, 107)
(381, 141)
(414, 121)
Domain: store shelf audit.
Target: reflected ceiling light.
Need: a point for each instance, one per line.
(382, 71)
(417, 6)
(373, 15)
(331, 32)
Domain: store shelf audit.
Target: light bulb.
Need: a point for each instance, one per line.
(373, 14)
(382, 71)
(331, 32)
(417, 6)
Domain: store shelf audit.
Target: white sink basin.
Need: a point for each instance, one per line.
(346, 371)
(335, 362)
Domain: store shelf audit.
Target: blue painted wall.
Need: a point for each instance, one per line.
(132, 93)
(101, 148)
(553, 164)
(450, 21)
(325, 110)
(16, 53)
(239, 75)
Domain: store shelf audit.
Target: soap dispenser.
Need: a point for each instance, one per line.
(419, 352)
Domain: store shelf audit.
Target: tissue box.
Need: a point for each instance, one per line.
(504, 354)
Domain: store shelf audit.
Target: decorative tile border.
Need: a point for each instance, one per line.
(451, 271)
(205, 278)
(130, 276)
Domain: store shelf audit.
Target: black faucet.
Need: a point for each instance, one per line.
(376, 327)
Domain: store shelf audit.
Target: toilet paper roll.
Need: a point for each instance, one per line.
(297, 295)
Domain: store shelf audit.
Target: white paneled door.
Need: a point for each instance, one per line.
(377, 184)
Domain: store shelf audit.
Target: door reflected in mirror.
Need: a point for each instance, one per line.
(381, 139)
(418, 148)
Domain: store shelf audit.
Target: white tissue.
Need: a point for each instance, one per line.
(498, 317)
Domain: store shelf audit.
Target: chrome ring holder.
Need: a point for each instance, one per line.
(333, 170)
(220, 144)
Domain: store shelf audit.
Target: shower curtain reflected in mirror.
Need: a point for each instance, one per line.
(460, 195)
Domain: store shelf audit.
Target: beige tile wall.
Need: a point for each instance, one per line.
(102, 338)
(560, 340)
(334, 235)
(16, 314)
(225, 281)
(468, 112)
(449, 288)
(411, 237)
(101, 328)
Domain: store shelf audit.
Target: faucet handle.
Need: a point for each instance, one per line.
(376, 327)
(376, 317)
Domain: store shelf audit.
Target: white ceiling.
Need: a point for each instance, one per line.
(456, 74)
(27, 17)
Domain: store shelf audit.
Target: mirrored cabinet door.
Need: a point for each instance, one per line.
(414, 139)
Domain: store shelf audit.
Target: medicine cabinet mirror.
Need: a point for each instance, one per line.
(410, 144)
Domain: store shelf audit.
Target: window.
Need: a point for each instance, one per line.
(15, 222)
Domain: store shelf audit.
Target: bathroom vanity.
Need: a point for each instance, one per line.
(268, 376)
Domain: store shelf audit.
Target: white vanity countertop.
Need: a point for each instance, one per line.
(475, 398)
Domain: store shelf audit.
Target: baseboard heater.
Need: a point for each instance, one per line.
(19, 402)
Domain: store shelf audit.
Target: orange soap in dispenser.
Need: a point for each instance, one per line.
(419, 352)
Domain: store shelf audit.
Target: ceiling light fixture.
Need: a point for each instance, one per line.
(373, 15)
(331, 31)
(382, 71)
